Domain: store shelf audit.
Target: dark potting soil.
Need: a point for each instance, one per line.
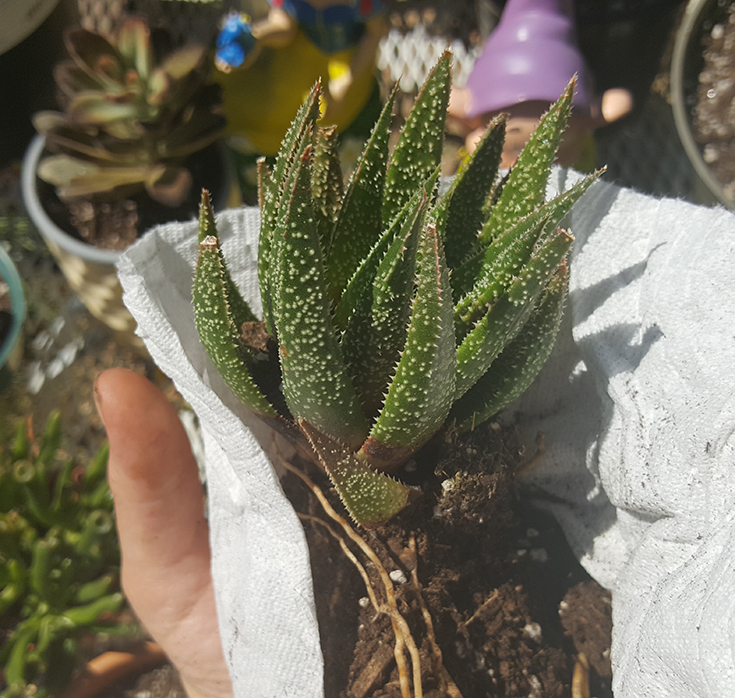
(714, 114)
(114, 225)
(510, 605)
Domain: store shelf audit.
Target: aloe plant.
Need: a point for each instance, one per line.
(59, 559)
(391, 312)
(129, 120)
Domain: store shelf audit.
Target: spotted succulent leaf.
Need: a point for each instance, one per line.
(506, 317)
(419, 148)
(359, 288)
(520, 361)
(271, 195)
(371, 497)
(316, 384)
(368, 355)
(376, 332)
(218, 331)
(422, 390)
(359, 223)
(481, 275)
(326, 182)
(526, 186)
(460, 213)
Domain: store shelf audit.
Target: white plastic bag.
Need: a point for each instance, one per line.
(638, 412)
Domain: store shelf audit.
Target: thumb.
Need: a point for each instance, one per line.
(164, 537)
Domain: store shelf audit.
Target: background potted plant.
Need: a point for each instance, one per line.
(133, 143)
(60, 570)
(702, 93)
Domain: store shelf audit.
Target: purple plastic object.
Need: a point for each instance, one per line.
(530, 56)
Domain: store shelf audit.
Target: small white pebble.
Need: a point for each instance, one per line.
(532, 631)
(364, 602)
(398, 577)
(36, 378)
(521, 552)
(718, 31)
(539, 555)
(495, 426)
(536, 687)
(532, 533)
(447, 486)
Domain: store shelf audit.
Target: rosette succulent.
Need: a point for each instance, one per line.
(130, 118)
(390, 311)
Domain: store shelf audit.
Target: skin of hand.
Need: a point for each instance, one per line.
(164, 536)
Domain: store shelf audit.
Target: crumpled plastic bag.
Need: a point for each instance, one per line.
(636, 405)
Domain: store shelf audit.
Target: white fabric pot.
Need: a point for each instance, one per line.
(638, 412)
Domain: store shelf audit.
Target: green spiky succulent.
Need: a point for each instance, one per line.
(390, 312)
(129, 121)
(59, 559)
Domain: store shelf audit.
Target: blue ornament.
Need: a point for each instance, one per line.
(235, 41)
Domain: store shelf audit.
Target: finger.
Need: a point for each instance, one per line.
(162, 530)
(153, 476)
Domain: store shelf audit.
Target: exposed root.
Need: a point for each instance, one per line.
(581, 677)
(535, 459)
(404, 639)
(446, 683)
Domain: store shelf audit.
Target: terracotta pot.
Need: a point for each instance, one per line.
(89, 270)
(112, 667)
(685, 66)
(12, 348)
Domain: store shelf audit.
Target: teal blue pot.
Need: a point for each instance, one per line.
(11, 349)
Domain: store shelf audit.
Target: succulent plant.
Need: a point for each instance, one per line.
(59, 559)
(390, 312)
(129, 120)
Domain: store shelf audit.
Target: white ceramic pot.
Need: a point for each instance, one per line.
(89, 270)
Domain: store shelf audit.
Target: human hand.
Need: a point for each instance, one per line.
(164, 537)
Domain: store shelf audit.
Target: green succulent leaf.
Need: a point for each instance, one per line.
(134, 43)
(460, 212)
(519, 363)
(216, 325)
(326, 182)
(239, 309)
(376, 332)
(501, 263)
(359, 223)
(422, 389)
(526, 186)
(371, 497)
(94, 55)
(95, 107)
(506, 317)
(271, 194)
(358, 291)
(419, 149)
(316, 384)
(485, 273)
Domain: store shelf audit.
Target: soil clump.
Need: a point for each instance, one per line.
(490, 569)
